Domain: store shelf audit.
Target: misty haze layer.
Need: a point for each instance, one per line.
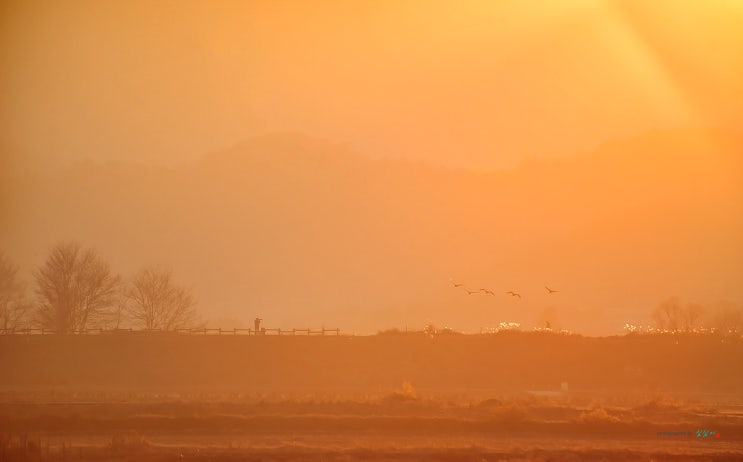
(307, 233)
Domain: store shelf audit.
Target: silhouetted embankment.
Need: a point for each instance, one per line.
(449, 363)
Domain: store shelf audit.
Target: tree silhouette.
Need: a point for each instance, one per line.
(14, 306)
(673, 316)
(156, 302)
(728, 318)
(692, 316)
(75, 289)
(668, 314)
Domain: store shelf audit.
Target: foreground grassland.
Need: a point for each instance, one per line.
(386, 397)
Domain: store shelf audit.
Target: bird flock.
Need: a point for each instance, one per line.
(484, 291)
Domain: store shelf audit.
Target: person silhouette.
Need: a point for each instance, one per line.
(257, 323)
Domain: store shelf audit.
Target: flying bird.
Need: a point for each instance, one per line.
(514, 294)
(489, 292)
(470, 292)
(550, 291)
(456, 284)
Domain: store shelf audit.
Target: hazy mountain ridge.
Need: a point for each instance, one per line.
(286, 221)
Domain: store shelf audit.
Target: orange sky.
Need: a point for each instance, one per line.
(481, 84)
(310, 224)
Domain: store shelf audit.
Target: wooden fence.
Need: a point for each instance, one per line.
(199, 331)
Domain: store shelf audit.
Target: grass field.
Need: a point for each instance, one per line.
(385, 407)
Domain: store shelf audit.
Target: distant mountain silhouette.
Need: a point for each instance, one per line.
(305, 232)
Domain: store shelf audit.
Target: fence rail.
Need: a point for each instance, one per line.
(195, 331)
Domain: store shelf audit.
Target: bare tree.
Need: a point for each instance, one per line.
(14, 306)
(672, 315)
(728, 318)
(693, 314)
(76, 290)
(156, 302)
(668, 315)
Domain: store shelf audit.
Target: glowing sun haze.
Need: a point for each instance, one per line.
(481, 84)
